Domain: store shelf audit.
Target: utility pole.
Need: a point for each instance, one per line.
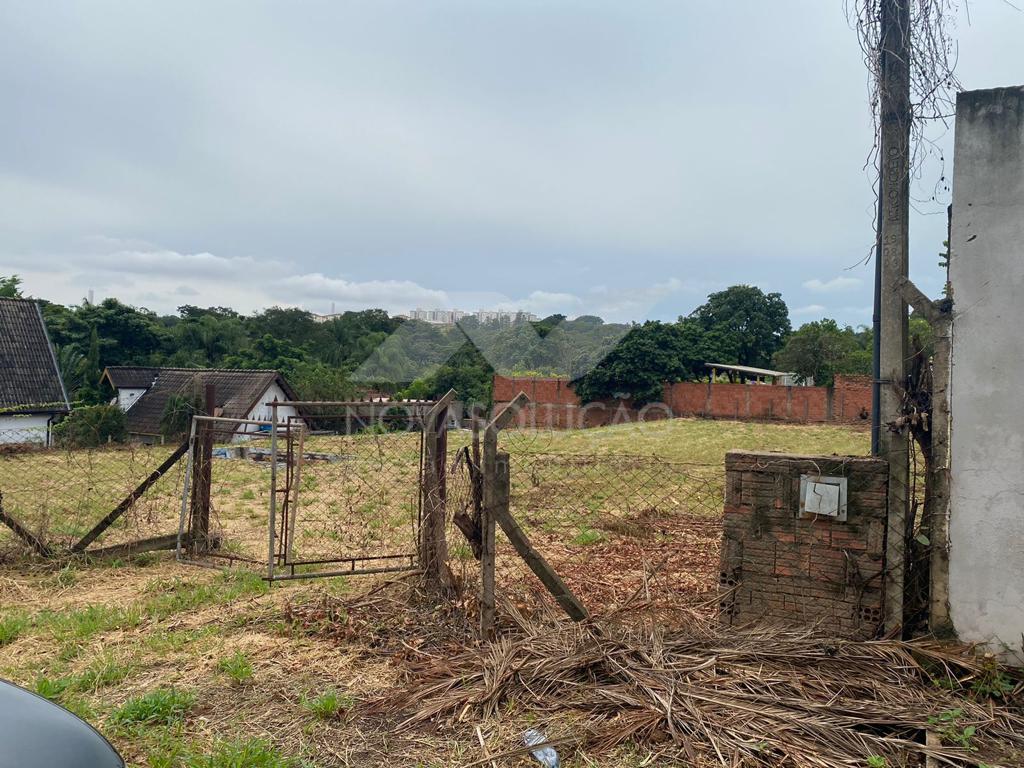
(894, 120)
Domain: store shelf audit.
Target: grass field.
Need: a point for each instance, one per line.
(184, 666)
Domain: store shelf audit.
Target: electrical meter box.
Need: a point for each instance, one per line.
(823, 496)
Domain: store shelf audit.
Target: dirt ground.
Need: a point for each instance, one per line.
(184, 666)
(253, 662)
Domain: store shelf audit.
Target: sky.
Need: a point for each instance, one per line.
(584, 157)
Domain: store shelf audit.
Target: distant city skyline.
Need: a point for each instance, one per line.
(450, 316)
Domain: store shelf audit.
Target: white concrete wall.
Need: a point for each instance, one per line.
(987, 458)
(24, 429)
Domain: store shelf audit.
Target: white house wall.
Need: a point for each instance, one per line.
(126, 398)
(24, 429)
(263, 412)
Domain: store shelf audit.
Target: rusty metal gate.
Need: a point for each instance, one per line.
(346, 488)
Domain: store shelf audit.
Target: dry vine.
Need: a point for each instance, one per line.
(933, 81)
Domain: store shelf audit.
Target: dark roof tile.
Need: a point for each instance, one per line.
(29, 378)
(237, 393)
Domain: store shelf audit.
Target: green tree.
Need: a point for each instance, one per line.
(317, 381)
(71, 364)
(294, 326)
(127, 335)
(643, 361)
(817, 351)
(467, 372)
(10, 287)
(207, 338)
(743, 325)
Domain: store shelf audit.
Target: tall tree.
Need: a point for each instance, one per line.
(647, 357)
(743, 325)
(10, 287)
(818, 350)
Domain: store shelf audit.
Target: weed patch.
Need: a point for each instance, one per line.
(160, 707)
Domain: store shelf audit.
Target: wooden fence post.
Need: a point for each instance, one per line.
(939, 316)
(521, 543)
(492, 499)
(487, 531)
(203, 474)
(433, 549)
(24, 533)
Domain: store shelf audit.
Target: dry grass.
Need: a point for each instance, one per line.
(95, 636)
(702, 695)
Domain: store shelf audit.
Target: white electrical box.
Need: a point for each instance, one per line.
(824, 496)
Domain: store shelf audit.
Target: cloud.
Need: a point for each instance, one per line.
(810, 309)
(197, 266)
(404, 294)
(841, 283)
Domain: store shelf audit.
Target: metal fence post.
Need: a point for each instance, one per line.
(272, 527)
(185, 484)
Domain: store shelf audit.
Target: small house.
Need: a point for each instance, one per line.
(146, 394)
(32, 394)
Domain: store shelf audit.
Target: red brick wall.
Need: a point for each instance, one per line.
(851, 399)
(778, 568)
(555, 403)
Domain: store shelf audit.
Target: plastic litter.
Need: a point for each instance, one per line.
(547, 756)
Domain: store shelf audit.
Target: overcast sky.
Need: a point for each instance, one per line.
(616, 158)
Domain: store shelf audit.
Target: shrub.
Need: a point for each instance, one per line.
(91, 426)
(177, 415)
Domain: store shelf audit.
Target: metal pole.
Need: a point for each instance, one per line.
(271, 535)
(185, 488)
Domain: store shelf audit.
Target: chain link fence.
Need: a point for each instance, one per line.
(619, 529)
(59, 494)
(349, 502)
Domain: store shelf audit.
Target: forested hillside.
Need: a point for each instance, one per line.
(368, 349)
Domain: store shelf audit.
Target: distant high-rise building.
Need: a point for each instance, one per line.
(452, 316)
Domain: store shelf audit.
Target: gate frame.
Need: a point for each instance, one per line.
(427, 475)
(191, 536)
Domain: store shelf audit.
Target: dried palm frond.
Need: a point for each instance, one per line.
(726, 697)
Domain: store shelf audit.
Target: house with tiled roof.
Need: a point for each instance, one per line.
(146, 393)
(32, 394)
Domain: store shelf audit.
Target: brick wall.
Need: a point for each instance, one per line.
(779, 568)
(851, 399)
(554, 403)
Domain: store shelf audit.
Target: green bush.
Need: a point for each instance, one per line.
(91, 426)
